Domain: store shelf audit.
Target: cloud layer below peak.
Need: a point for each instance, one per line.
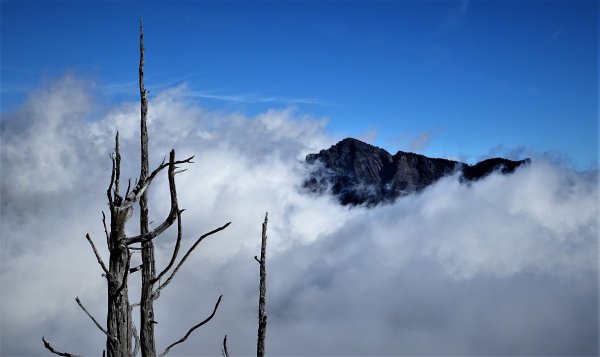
(507, 265)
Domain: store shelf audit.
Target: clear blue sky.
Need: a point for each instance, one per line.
(463, 76)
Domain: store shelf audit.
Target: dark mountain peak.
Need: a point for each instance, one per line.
(360, 173)
(348, 148)
(483, 168)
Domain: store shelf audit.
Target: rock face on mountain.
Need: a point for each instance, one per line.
(359, 173)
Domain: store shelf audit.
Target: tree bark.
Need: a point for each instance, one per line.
(118, 324)
(148, 264)
(119, 313)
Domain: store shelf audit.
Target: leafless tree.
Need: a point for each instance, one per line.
(122, 339)
(148, 263)
(262, 316)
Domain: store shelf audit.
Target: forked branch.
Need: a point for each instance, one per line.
(143, 185)
(192, 329)
(174, 208)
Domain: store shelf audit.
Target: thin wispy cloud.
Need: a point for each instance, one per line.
(413, 142)
(422, 141)
(118, 86)
(556, 34)
(184, 83)
(152, 82)
(465, 5)
(369, 136)
(252, 99)
(456, 16)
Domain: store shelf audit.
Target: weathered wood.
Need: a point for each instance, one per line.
(148, 346)
(262, 316)
(118, 321)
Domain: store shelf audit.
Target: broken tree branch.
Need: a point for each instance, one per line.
(133, 270)
(93, 319)
(105, 229)
(87, 236)
(170, 278)
(224, 350)
(128, 187)
(110, 185)
(51, 349)
(192, 329)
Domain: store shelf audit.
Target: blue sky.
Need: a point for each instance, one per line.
(507, 265)
(454, 79)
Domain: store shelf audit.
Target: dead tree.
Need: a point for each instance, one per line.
(122, 339)
(148, 264)
(262, 316)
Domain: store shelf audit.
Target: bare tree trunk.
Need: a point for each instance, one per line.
(118, 322)
(119, 314)
(120, 329)
(148, 266)
(262, 316)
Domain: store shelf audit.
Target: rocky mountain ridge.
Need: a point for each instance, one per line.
(360, 173)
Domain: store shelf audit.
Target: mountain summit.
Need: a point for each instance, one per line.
(360, 173)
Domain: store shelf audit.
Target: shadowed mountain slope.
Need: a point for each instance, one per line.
(359, 173)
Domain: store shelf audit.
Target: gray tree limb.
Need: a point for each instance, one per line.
(87, 236)
(192, 329)
(170, 278)
(93, 319)
(175, 250)
(51, 349)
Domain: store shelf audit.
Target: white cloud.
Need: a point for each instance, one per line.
(369, 136)
(421, 141)
(506, 265)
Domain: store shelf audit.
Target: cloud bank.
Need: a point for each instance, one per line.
(505, 266)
